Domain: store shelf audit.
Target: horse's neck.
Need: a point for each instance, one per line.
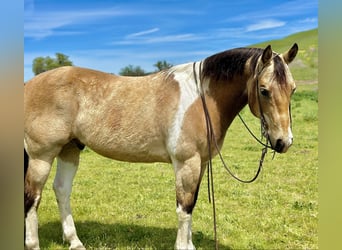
(230, 98)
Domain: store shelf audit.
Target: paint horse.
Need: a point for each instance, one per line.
(154, 118)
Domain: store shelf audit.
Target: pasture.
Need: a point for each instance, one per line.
(119, 205)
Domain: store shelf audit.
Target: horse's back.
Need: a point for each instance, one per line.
(125, 118)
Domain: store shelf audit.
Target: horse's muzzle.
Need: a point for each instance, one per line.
(282, 146)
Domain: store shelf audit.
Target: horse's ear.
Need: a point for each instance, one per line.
(267, 55)
(290, 54)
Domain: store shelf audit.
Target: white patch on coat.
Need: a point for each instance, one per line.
(189, 92)
(290, 137)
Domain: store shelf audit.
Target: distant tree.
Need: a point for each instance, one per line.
(42, 64)
(38, 65)
(161, 65)
(131, 70)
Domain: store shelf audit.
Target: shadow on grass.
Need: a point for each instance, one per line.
(95, 235)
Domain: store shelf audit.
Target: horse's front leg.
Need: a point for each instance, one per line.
(188, 177)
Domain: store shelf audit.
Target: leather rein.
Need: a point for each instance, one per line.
(211, 135)
(211, 138)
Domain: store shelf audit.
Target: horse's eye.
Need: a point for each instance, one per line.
(264, 92)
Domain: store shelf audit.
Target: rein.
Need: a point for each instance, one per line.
(211, 134)
(211, 137)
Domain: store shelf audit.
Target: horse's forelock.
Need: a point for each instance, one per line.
(279, 70)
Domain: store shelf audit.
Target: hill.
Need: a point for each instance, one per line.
(305, 66)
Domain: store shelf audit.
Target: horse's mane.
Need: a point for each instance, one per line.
(230, 63)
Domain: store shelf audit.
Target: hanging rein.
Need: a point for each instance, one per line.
(211, 135)
(211, 138)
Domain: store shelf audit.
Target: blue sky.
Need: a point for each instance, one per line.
(109, 35)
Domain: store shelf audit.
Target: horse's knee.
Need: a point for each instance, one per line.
(188, 200)
(188, 178)
(183, 215)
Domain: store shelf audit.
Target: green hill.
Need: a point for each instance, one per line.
(305, 66)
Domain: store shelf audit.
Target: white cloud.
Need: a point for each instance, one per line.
(142, 33)
(265, 24)
(286, 9)
(159, 39)
(172, 38)
(309, 20)
(43, 24)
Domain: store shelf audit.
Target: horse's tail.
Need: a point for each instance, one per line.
(26, 160)
(28, 198)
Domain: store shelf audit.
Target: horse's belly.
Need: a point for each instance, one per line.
(136, 145)
(153, 153)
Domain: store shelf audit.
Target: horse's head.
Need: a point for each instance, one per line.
(269, 95)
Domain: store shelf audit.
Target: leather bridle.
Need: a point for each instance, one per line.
(211, 137)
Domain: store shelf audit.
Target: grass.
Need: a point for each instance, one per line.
(118, 205)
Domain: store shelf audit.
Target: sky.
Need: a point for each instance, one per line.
(110, 35)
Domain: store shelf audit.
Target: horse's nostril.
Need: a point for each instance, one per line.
(279, 146)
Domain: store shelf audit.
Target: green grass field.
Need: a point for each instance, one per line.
(118, 205)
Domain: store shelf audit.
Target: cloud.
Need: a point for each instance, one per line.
(265, 24)
(172, 38)
(39, 25)
(142, 33)
(158, 39)
(309, 20)
(286, 9)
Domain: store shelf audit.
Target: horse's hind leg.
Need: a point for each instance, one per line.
(67, 164)
(37, 173)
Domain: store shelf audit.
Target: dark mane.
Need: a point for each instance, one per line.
(230, 63)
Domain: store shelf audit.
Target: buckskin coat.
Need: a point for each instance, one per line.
(158, 117)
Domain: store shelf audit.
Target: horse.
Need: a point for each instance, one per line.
(153, 118)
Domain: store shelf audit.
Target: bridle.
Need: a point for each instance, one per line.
(263, 123)
(211, 137)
